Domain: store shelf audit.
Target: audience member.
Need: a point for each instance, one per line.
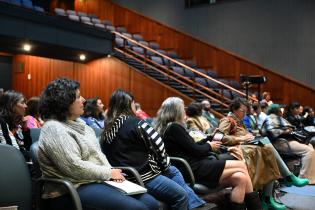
(130, 141)
(32, 117)
(276, 127)
(266, 98)
(263, 162)
(12, 111)
(170, 122)
(293, 114)
(196, 121)
(140, 113)
(206, 107)
(94, 113)
(68, 149)
(308, 114)
(250, 120)
(261, 116)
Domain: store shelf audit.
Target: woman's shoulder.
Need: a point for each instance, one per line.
(52, 125)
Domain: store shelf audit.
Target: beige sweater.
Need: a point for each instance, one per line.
(71, 151)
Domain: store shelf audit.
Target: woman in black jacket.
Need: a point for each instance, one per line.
(207, 170)
(129, 141)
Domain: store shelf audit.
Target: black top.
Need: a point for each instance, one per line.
(297, 121)
(125, 145)
(207, 169)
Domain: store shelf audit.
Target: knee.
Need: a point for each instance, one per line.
(181, 196)
(239, 178)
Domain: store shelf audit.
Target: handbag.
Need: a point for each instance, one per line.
(301, 136)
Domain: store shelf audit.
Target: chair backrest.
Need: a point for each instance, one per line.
(35, 132)
(15, 180)
(34, 156)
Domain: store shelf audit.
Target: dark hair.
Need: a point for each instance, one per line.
(56, 99)
(307, 109)
(194, 109)
(236, 104)
(7, 102)
(119, 104)
(90, 109)
(290, 107)
(32, 107)
(256, 106)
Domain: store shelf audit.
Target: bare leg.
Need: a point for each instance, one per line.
(235, 175)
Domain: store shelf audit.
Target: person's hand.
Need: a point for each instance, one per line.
(117, 175)
(215, 145)
(248, 137)
(287, 131)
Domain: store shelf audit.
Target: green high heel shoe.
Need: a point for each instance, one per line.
(270, 203)
(295, 181)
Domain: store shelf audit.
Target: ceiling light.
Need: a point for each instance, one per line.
(82, 57)
(27, 47)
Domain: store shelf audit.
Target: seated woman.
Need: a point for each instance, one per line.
(170, 123)
(32, 117)
(94, 113)
(129, 141)
(263, 162)
(309, 118)
(68, 149)
(195, 120)
(276, 127)
(12, 111)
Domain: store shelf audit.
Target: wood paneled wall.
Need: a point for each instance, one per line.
(228, 65)
(98, 78)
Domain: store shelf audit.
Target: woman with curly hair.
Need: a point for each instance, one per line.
(68, 149)
(12, 111)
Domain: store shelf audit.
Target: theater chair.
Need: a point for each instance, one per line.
(293, 161)
(15, 179)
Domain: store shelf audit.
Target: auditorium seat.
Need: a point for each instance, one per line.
(154, 45)
(178, 70)
(96, 20)
(60, 12)
(27, 4)
(157, 59)
(110, 28)
(172, 54)
(107, 22)
(212, 74)
(212, 84)
(82, 14)
(137, 37)
(191, 63)
(144, 43)
(121, 29)
(189, 73)
(99, 25)
(86, 20)
(39, 9)
(74, 18)
(201, 81)
(71, 12)
(15, 2)
(138, 50)
(119, 42)
(226, 93)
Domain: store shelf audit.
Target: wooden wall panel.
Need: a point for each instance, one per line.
(227, 65)
(98, 78)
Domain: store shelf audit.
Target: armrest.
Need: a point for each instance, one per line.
(287, 151)
(73, 192)
(186, 167)
(134, 173)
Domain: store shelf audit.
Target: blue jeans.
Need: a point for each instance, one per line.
(172, 189)
(102, 197)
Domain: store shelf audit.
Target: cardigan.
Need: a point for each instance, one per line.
(133, 142)
(71, 151)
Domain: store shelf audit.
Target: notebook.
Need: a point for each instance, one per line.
(127, 187)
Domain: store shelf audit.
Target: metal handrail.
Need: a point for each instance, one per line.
(180, 64)
(188, 80)
(174, 78)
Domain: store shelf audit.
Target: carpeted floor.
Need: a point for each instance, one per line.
(296, 198)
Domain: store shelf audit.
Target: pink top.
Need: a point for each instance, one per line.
(32, 122)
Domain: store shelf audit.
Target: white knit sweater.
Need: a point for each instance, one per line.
(71, 151)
